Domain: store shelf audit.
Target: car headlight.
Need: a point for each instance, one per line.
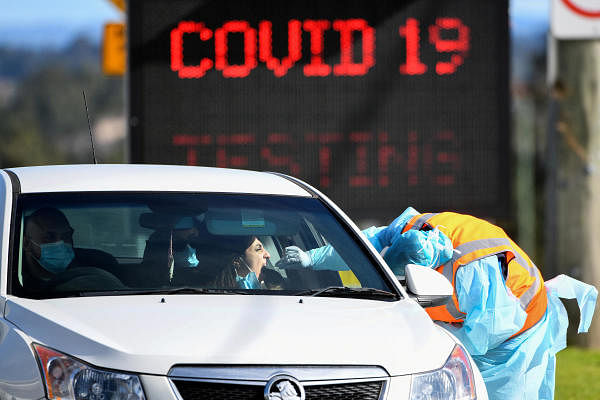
(69, 379)
(454, 381)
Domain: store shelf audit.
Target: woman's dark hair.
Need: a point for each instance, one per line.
(232, 248)
(238, 244)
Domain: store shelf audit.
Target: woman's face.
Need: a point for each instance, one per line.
(256, 256)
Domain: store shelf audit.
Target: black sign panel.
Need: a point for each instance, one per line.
(379, 104)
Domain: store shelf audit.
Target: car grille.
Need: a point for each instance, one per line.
(196, 390)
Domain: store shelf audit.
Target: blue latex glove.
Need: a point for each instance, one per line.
(428, 248)
(373, 235)
(294, 257)
(324, 258)
(395, 227)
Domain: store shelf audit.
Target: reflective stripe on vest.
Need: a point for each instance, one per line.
(451, 304)
(419, 222)
(472, 250)
(482, 244)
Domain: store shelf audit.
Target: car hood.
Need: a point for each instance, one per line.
(151, 334)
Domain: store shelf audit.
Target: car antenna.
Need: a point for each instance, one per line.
(89, 128)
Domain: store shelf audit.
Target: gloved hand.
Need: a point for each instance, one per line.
(428, 248)
(394, 229)
(294, 257)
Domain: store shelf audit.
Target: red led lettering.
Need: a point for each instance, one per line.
(237, 139)
(411, 33)
(191, 156)
(227, 161)
(361, 179)
(412, 160)
(192, 140)
(324, 153)
(459, 46)
(265, 33)
(431, 159)
(442, 165)
(447, 158)
(279, 160)
(327, 138)
(224, 159)
(279, 138)
(347, 66)
(324, 161)
(316, 66)
(386, 155)
(221, 49)
(188, 71)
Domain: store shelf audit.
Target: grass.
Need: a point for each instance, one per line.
(577, 374)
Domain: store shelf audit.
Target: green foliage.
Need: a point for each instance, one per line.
(577, 374)
(18, 63)
(45, 118)
(22, 144)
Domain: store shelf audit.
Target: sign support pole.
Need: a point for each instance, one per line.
(576, 90)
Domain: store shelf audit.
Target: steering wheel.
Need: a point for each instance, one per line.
(86, 279)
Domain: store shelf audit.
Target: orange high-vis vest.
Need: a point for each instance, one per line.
(474, 239)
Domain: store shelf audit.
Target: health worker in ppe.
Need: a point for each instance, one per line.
(510, 320)
(170, 250)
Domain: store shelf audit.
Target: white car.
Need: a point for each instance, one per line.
(124, 282)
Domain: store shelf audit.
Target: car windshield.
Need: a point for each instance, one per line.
(82, 244)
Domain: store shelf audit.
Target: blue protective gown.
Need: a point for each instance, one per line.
(522, 367)
(430, 248)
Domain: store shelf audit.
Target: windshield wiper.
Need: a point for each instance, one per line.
(167, 291)
(342, 291)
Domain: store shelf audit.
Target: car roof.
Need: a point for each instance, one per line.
(146, 177)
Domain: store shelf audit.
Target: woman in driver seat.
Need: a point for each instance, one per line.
(245, 258)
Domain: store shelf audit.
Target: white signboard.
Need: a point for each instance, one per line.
(575, 19)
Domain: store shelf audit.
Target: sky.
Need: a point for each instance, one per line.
(538, 10)
(40, 23)
(60, 11)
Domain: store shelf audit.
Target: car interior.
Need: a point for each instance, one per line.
(136, 246)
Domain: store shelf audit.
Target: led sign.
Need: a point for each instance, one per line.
(378, 104)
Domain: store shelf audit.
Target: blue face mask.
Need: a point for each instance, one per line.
(186, 258)
(56, 257)
(250, 281)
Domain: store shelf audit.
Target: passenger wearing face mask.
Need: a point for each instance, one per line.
(170, 252)
(184, 233)
(48, 250)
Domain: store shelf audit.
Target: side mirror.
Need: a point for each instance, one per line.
(429, 287)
